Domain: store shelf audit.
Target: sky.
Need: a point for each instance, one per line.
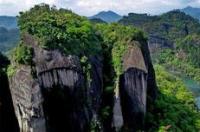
(91, 7)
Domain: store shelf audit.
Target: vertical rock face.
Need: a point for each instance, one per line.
(152, 89)
(70, 99)
(64, 90)
(96, 84)
(27, 100)
(8, 121)
(55, 94)
(133, 86)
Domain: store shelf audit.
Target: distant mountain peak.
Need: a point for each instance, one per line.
(192, 11)
(107, 16)
(188, 7)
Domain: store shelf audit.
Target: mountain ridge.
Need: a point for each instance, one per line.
(8, 22)
(192, 11)
(107, 16)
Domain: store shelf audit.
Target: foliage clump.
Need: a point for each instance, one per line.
(169, 59)
(23, 54)
(116, 39)
(172, 25)
(174, 109)
(60, 29)
(191, 47)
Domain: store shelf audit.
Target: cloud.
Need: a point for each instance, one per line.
(90, 7)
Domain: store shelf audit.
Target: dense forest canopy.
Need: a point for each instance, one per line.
(171, 25)
(60, 29)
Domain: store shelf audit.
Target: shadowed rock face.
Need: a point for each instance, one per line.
(137, 79)
(133, 87)
(69, 103)
(96, 84)
(64, 87)
(8, 121)
(54, 95)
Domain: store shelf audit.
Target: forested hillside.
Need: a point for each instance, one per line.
(176, 31)
(174, 43)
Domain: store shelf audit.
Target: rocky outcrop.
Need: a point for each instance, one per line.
(27, 100)
(54, 93)
(133, 87)
(64, 90)
(137, 79)
(60, 93)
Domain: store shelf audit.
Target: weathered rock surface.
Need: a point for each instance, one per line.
(137, 79)
(27, 100)
(133, 87)
(56, 95)
(70, 100)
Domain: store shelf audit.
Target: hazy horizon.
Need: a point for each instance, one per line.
(91, 7)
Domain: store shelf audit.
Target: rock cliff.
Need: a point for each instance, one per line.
(76, 78)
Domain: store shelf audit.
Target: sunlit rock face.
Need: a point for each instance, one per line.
(27, 100)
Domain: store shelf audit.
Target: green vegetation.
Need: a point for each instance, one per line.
(172, 25)
(174, 61)
(180, 29)
(190, 45)
(117, 38)
(23, 54)
(60, 29)
(174, 109)
(72, 34)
